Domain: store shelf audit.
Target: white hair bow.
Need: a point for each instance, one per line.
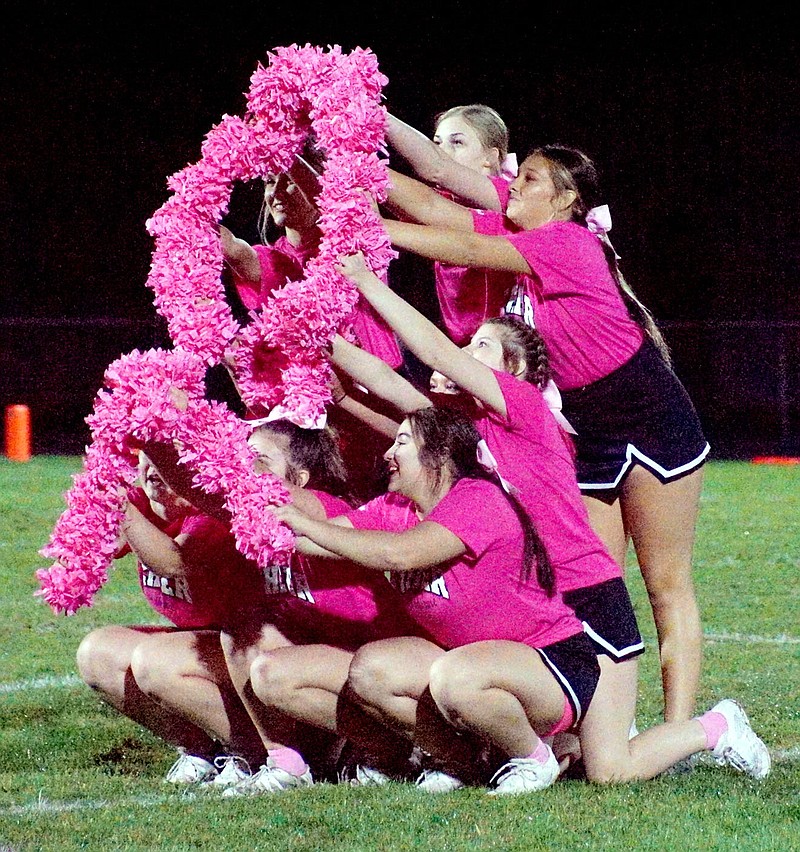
(282, 413)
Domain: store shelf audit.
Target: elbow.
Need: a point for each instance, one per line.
(395, 558)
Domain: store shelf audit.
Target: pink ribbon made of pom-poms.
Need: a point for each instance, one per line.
(338, 96)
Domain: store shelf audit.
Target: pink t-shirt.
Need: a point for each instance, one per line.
(478, 596)
(502, 183)
(220, 575)
(282, 262)
(532, 455)
(572, 297)
(468, 296)
(338, 601)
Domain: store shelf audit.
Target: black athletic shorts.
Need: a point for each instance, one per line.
(573, 662)
(608, 618)
(639, 414)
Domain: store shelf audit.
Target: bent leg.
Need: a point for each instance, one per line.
(661, 519)
(303, 682)
(500, 691)
(608, 755)
(240, 650)
(186, 674)
(104, 662)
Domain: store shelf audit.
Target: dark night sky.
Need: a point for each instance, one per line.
(692, 117)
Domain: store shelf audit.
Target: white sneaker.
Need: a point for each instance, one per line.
(739, 746)
(189, 769)
(231, 770)
(366, 776)
(523, 775)
(268, 779)
(436, 781)
(633, 731)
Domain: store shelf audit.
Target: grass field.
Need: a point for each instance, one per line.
(74, 775)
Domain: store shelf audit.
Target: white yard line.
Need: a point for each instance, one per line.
(45, 806)
(44, 682)
(750, 639)
(49, 681)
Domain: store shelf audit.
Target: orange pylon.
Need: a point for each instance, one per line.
(18, 432)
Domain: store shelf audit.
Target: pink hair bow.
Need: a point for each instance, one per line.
(489, 463)
(552, 396)
(598, 221)
(510, 166)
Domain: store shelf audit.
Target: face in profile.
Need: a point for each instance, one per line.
(486, 346)
(534, 200)
(163, 500)
(406, 473)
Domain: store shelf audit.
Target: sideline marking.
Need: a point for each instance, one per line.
(39, 683)
(751, 639)
(45, 806)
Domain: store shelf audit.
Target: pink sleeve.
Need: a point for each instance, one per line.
(503, 187)
(333, 506)
(389, 512)
(207, 530)
(374, 334)
(492, 223)
(470, 510)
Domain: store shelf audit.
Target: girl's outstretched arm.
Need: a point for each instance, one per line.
(413, 200)
(241, 257)
(377, 377)
(456, 245)
(433, 166)
(422, 546)
(423, 338)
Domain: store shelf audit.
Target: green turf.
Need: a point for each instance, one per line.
(74, 775)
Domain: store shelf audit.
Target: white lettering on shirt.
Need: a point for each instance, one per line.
(520, 305)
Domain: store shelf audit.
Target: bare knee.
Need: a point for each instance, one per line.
(96, 658)
(271, 679)
(453, 686)
(369, 679)
(148, 670)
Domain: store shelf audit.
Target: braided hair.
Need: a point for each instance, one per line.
(520, 343)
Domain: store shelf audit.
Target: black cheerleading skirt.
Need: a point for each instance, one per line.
(639, 414)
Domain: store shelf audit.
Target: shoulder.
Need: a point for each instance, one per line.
(478, 512)
(466, 496)
(563, 236)
(492, 223)
(518, 392)
(333, 505)
(391, 512)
